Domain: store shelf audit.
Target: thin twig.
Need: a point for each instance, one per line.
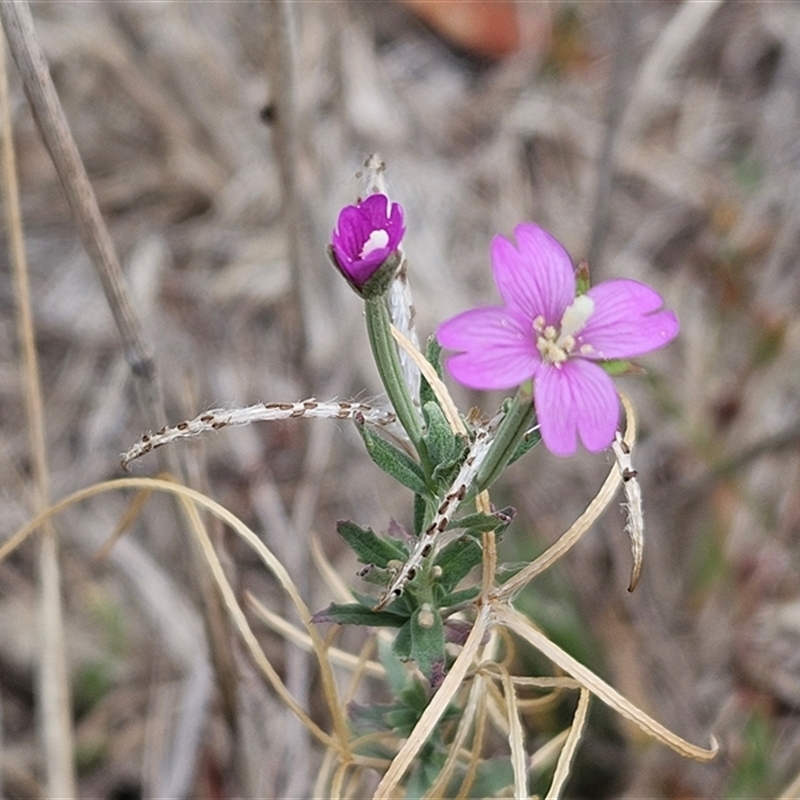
(53, 688)
(54, 130)
(217, 418)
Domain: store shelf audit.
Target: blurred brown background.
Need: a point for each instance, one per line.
(659, 139)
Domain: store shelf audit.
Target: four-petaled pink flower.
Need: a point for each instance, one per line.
(544, 332)
(366, 235)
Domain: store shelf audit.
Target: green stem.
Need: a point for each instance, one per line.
(513, 427)
(379, 330)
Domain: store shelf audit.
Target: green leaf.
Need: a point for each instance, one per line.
(457, 560)
(356, 614)
(414, 696)
(433, 354)
(400, 607)
(368, 547)
(396, 671)
(427, 640)
(401, 720)
(478, 523)
(493, 775)
(392, 460)
(457, 598)
(420, 507)
(377, 576)
(439, 437)
(530, 439)
(402, 642)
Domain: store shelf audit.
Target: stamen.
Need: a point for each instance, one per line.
(567, 342)
(551, 352)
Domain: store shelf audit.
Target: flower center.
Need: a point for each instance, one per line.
(377, 240)
(556, 345)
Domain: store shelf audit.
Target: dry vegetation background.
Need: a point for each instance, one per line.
(660, 139)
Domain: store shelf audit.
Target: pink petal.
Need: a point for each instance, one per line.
(575, 398)
(629, 319)
(376, 209)
(538, 278)
(497, 344)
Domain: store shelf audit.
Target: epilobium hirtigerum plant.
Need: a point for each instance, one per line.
(434, 595)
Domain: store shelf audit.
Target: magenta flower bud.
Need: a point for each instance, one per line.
(367, 235)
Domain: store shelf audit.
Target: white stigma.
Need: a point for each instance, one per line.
(377, 240)
(576, 315)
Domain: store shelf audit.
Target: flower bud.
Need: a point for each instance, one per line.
(364, 245)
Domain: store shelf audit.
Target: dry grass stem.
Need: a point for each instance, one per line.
(430, 717)
(567, 752)
(521, 626)
(219, 141)
(515, 738)
(341, 658)
(53, 684)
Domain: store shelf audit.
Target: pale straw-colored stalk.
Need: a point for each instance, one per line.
(55, 715)
(516, 738)
(570, 746)
(506, 615)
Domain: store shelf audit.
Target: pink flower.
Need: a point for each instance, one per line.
(544, 332)
(366, 235)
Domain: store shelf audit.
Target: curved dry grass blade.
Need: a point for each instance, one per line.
(449, 408)
(53, 681)
(328, 682)
(571, 745)
(54, 130)
(516, 622)
(548, 753)
(328, 763)
(792, 791)
(515, 738)
(332, 578)
(578, 528)
(430, 717)
(132, 513)
(439, 786)
(293, 634)
(477, 742)
(185, 494)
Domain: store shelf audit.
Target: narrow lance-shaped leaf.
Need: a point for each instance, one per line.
(368, 547)
(439, 437)
(478, 523)
(356, 614)
(391, 459)
(457, 560)
(433, 354)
